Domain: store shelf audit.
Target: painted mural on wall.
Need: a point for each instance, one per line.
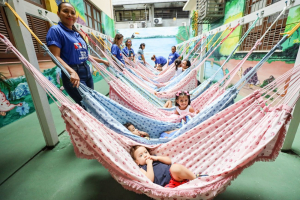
(78, 4)
(108, 25)
(158, 40)
(279, 63)
(15, 98)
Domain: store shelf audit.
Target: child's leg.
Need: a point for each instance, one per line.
(168, 104)
(180, 172)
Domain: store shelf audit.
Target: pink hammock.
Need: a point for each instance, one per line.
(221, 147)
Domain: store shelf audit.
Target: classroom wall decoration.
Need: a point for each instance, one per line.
(279, 63)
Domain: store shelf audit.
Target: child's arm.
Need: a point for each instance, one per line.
(149, 173)
(164, 159)
(142, 133)
(176, 112)
(192, 110)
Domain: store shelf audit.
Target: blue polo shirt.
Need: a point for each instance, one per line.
(116, 51)
(73, 49)
(173, 57)
(128, 52)
(160, 60)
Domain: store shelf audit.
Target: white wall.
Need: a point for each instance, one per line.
(105, 6)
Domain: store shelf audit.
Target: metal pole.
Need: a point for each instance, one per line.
(291, 133)
(25, 45)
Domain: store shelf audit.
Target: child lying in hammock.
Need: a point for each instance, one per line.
(159, 169)
(137, 132)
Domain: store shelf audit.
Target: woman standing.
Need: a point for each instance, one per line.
(140, 54)
(116, 49)
(159, 60)
(173, 56)
(70, 49)
(128, 51)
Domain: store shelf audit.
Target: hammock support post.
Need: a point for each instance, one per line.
(291, 133)
(25, 45)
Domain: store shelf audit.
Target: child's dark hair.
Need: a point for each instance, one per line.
(181, 94)
(128, 124)
(177, 62)
(73, 27)
(134, 148)
(153, 57)
(142, 44)
(117, 38)
(188, 63)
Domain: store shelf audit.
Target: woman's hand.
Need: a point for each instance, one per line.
(74, 78)
(106, 63)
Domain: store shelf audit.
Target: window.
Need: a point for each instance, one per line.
(93, 17)
(170, 13)
(131, 15)
(273, 36)
(6, 31)
(39, 3)
(40, 28)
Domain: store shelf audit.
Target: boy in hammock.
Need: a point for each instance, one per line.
(159, 169)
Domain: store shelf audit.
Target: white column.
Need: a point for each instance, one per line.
(24, 44)
(290, 136)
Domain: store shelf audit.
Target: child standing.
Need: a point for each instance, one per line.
(159, 169)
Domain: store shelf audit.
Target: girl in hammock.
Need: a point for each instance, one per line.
(159, 169)
(182, 103)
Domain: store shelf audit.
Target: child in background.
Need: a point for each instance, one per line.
(159, 169)
(135, 131)
(159, 67)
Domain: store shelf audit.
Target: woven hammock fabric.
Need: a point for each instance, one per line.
(221, 147)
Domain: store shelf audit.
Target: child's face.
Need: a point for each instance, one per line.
(159, 68)
(182, 101)
(140, 155)
(183, 65)
(133, 130)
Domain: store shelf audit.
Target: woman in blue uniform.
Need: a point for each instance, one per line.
(173, 56)
(116, 49)
(128, 51)
(159, 60)
(70, 49)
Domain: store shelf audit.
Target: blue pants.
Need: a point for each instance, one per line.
(84, 73)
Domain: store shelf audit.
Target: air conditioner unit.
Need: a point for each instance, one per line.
(133, 25)
(183, 23)
(157, 20)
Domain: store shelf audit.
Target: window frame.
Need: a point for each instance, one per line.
(123, 17)
(260, 29)
(179, 13)
(42, 5)
(94, 20)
